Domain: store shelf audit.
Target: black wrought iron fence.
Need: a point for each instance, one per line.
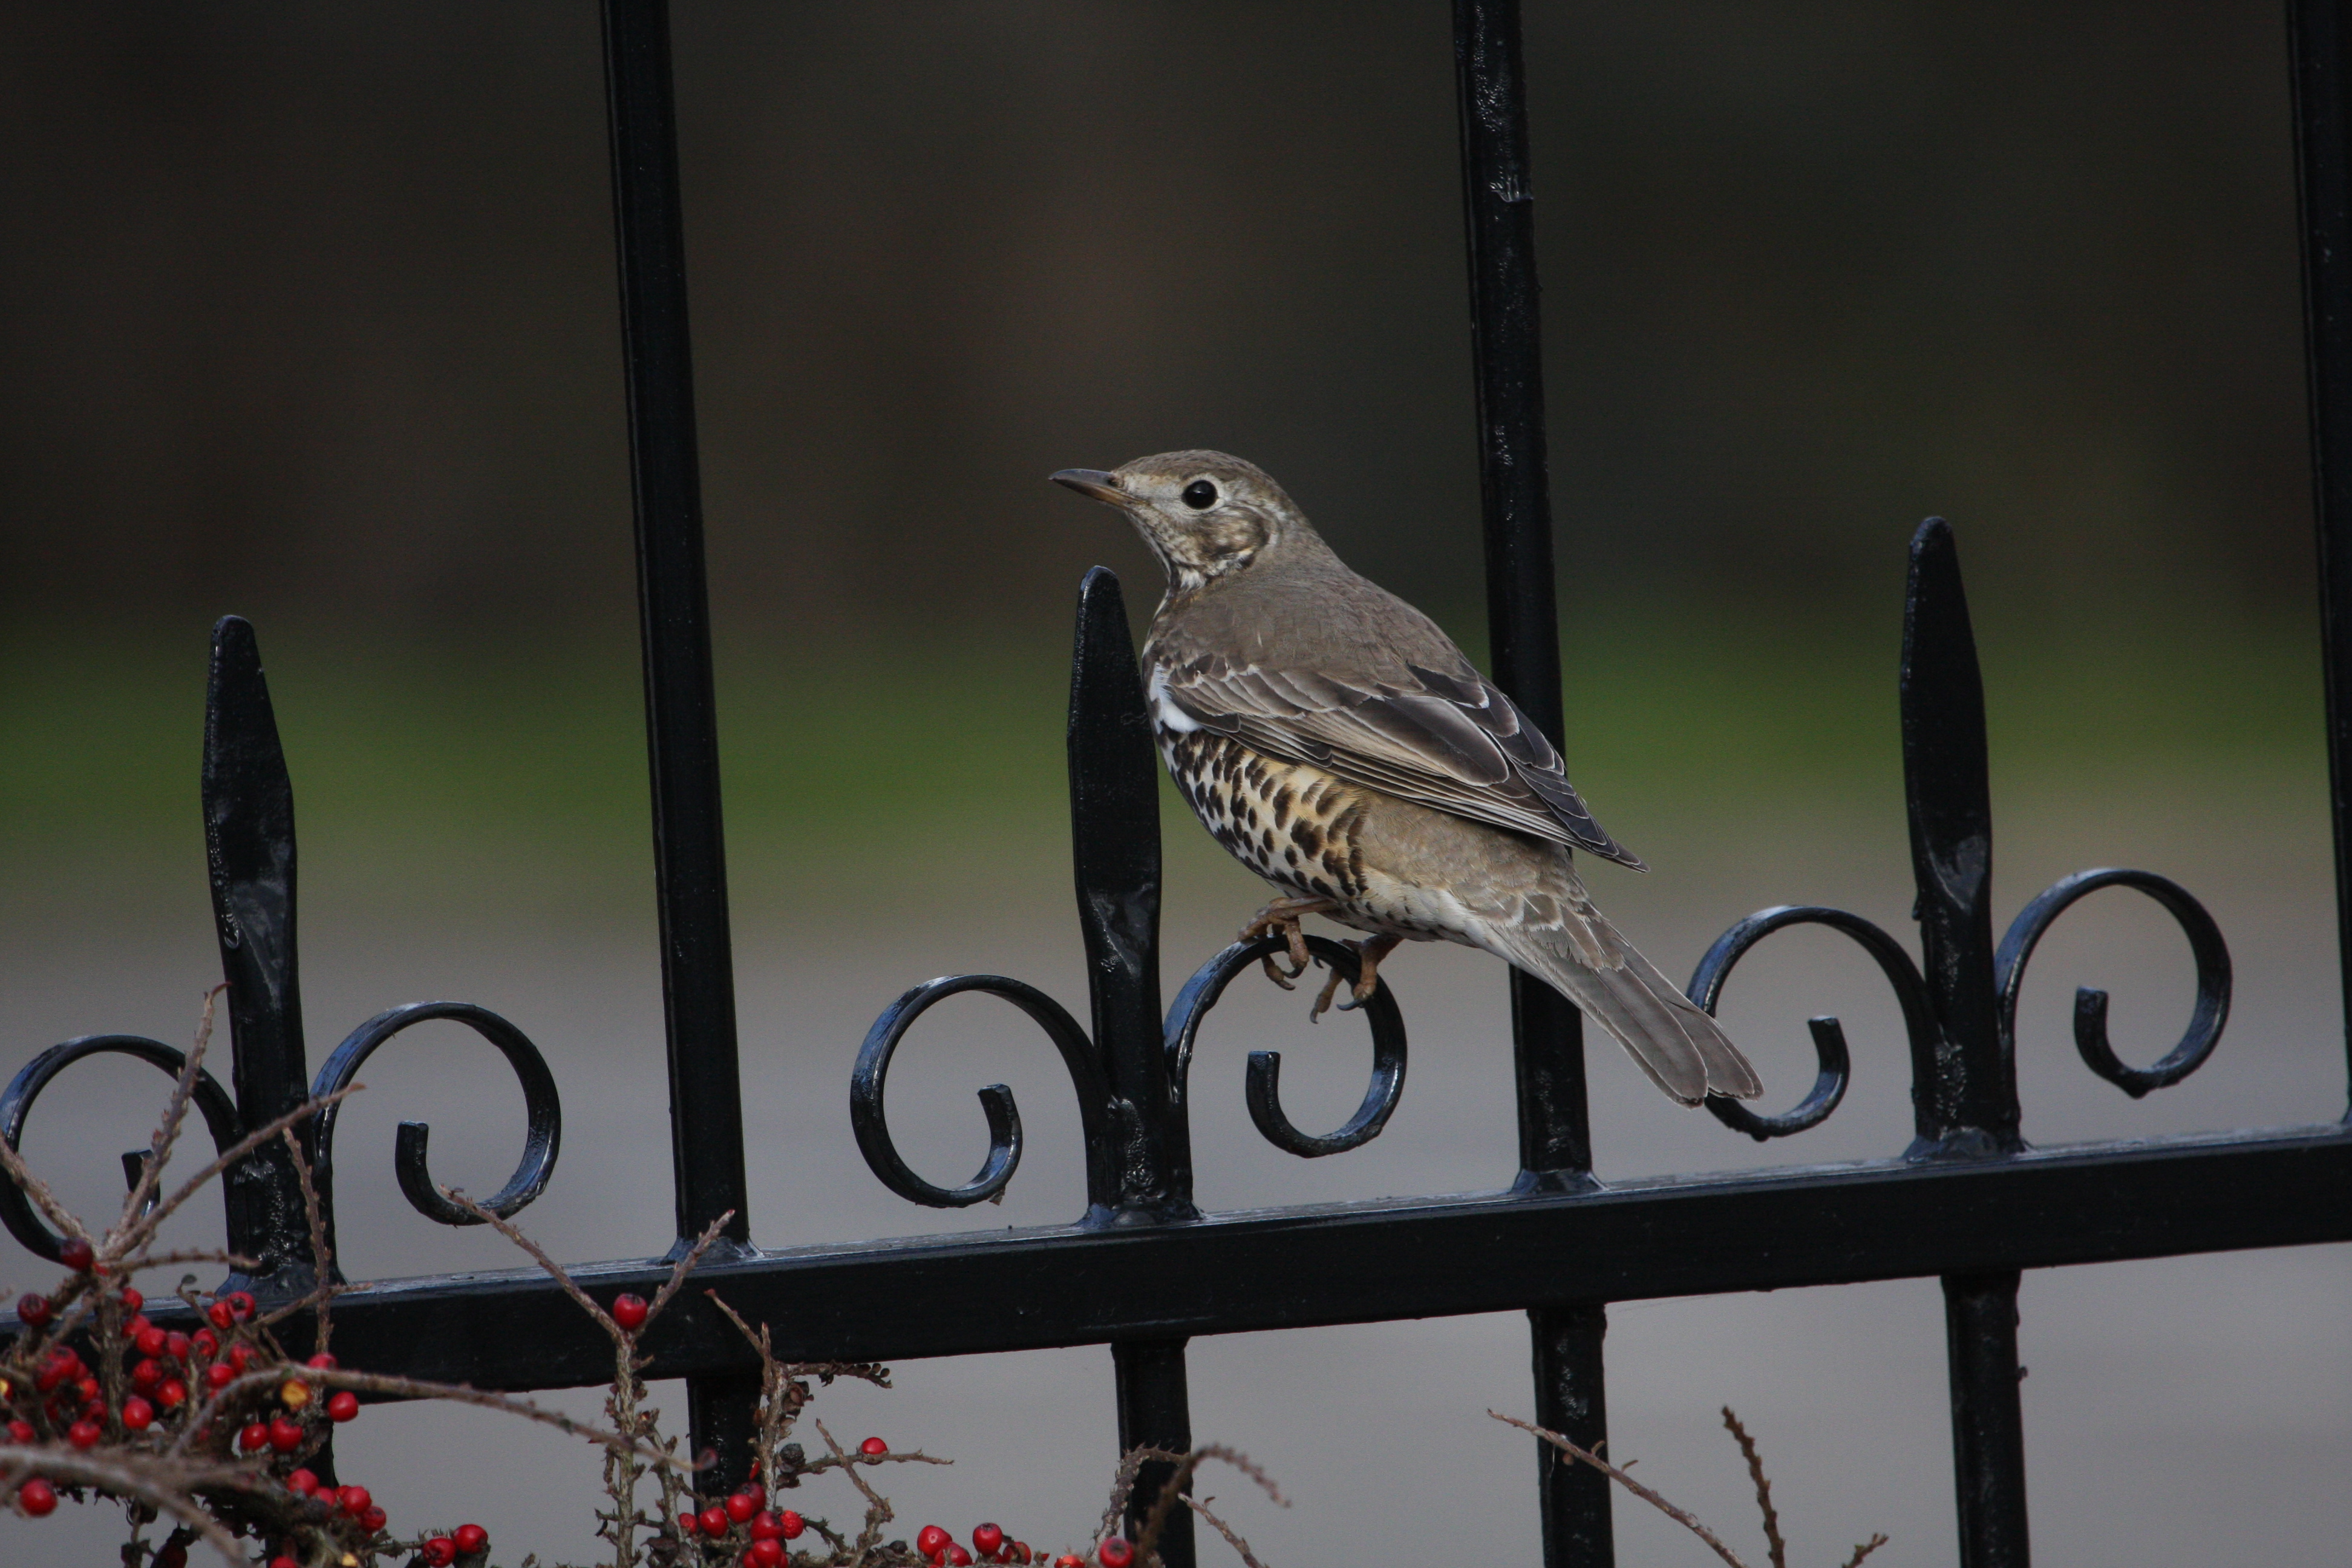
(1143, 1270)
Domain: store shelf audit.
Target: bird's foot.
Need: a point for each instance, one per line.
(1280, 918)
(1368, 954)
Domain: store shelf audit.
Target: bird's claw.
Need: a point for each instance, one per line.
(1284, 924)
(1369, 955)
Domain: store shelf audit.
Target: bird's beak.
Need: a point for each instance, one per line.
(1094, 484)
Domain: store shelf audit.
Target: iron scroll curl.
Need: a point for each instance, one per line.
(1830, 1051)
(212, 1102)
(542, 1112)
(2205, 944)
(870, 1121)
(1264, 1080)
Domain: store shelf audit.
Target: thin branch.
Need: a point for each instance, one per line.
(147, 1224)
(686, 1265)
(1775, 1549)
(1688, 1520)
(163, 1487)
(322, 1262)
(877, 1512)
(176, 1113)
(39, 1191)
(1241, 1548)
(1877, 1540)
(538, 1253)
(1171, 1491)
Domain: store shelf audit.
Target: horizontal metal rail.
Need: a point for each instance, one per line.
(1353, 1263)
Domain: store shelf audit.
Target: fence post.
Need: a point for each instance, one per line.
(1547, 1034)
(1964, 1091)
(2319, 32)
(681, 719)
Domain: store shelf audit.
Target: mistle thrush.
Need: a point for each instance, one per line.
(1341, 746)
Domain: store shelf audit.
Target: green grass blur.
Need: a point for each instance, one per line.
(518, 774)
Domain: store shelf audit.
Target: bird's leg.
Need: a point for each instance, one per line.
(1280, 918)
(1368, 954)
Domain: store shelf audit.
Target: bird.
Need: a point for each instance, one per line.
(1339, 745)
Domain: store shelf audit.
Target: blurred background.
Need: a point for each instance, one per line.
(312, 318)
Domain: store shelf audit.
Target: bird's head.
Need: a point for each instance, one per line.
(1205, 514)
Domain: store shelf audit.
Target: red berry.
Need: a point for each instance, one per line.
(987, 1537)
(37, 1498)
(792, 1524)
(931, 1540)
(87, 1388)
(714, 1521)
(344, 1407)
(353, 1500)
(373, 1519)
(33, 1310)
(765, 1554)
(322, 1361)
(301, 1483)
(137, 1414)
(741, 1507)
(21, 1431)
(440, 1551)
(219, 1375)
(285, 1436)
(629, 1311)
(85, 1433)
(171, 1393)
(688, 1521)
(284, 1563)
(222, 1315)
(152, 1340)
(1021, 1553)
(873, 1446)
(240, 1357)
(1069, 1560)
(472, 1537)
(958, 1557)
(240, 1304)
(766, 1527)
(256, 1435)
(1116, 1552)
(206, 1344)
(78, 1254)
(176, 1345)
(131, 1299)
(146, 1375)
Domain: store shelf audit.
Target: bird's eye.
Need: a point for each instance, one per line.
(1200, 495)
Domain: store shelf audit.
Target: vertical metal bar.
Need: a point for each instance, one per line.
(248, 801)
(1965, 1087)
(681, 720)
(1115, 864)
(1987, 1427)
(1155, 1411)
(1965, 1099)
(1548, 1039)
(2319, 34)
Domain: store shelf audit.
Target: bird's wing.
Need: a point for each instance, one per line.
(1452, 742)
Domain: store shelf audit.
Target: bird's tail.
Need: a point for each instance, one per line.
(1586, 960)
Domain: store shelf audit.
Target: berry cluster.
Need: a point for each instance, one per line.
(989, 1544)
(225, 1405)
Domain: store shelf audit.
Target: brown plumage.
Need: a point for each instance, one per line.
(1339, 745)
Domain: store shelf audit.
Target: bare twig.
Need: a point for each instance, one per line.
(877, 1512)
(1241, 1548)
(1688, 1520)
(1775, 1549)
(686, 1265)
(1877, 1540)
(322, 1262)
(144, 1227)
(555, 1271)
(166, 1488)
(176, 1113)
(1171, 1491)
